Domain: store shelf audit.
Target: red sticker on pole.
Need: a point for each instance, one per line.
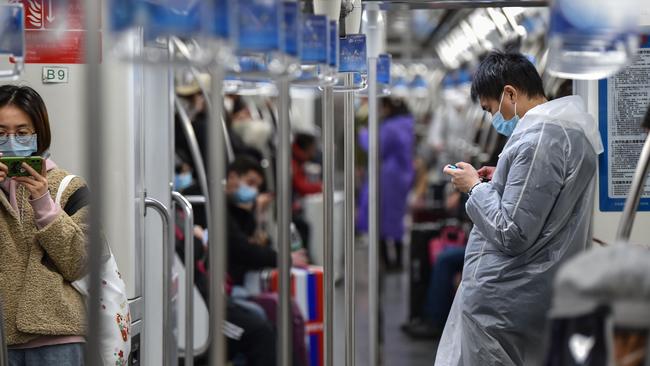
(55, 31)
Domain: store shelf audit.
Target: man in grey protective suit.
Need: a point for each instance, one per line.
(533, 214)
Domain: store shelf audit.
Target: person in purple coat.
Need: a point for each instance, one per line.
(396, 173)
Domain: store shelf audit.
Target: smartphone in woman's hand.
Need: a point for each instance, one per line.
(15, 165)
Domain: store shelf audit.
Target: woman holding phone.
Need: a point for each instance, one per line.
(42, 245)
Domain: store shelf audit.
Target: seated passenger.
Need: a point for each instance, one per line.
(43, 245)
(248, 248)
(303, 151)
(448, 253)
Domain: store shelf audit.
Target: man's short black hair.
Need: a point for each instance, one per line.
(244, 164)
(304, 141)
(499, 69)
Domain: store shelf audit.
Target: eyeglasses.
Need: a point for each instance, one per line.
(23, 136)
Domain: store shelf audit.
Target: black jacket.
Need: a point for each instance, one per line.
(244, 256)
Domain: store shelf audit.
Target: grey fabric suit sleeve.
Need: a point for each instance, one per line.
(513, 222)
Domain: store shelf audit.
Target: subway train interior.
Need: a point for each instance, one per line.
(325, 182)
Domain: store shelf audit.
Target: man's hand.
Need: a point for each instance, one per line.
(486, 173)
(299, 258)
(464, 177)
(264, 200)
(260, 237)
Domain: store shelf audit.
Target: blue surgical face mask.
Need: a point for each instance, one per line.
(245, 194)
(182, 181)
(13, 147)
(502, 126)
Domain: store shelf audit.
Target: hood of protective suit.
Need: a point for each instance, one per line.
(568, 112)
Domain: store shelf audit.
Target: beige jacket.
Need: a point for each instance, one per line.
(37, 267)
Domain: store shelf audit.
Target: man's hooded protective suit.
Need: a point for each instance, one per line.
(534, 214)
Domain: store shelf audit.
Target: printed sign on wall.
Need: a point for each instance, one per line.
(622, 102)
(54, 31)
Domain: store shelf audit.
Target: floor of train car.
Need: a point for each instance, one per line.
(398, 349)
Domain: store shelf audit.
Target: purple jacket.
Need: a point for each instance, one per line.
(396, 140)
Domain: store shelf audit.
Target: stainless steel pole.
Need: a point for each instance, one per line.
(328, 222)
(636, 190)
(284, 222)
(95, 169)
(218, 228)
(168, 235)
(186, 206)
(373, 222)
(348, 119)
(195, 150)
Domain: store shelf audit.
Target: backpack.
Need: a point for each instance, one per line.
(450, 236)
(114, 316)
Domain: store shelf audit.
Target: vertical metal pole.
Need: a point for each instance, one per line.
(636, 190)
(218, 236)
(95, 170)
(284, 222)
(168, 238)
(349, 217)
(188, 233)
(170, 345)
(328, 221)
(373, 199)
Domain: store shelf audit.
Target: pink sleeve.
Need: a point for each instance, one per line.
(45, 210)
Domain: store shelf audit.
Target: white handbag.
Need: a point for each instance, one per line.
(115, 318)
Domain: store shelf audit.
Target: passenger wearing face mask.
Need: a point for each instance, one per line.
(43, 245)
(533, 214)
(248, 248)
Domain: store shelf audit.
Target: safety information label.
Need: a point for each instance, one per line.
(55, 31)
(623, 101)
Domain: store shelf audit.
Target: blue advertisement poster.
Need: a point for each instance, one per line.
(353, 54)
(11, 30)
(257, 25)
(622, 102)
(291, 27)
(333, 55)
(383, 69)
(314, 40)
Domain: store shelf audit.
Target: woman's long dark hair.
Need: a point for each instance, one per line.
(396, 107)
(29, 101)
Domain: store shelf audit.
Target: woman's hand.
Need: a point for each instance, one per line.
(36, 184)
(464, 177)
(4, 171)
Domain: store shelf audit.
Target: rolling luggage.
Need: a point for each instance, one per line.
(420, 267)
(307, 292)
